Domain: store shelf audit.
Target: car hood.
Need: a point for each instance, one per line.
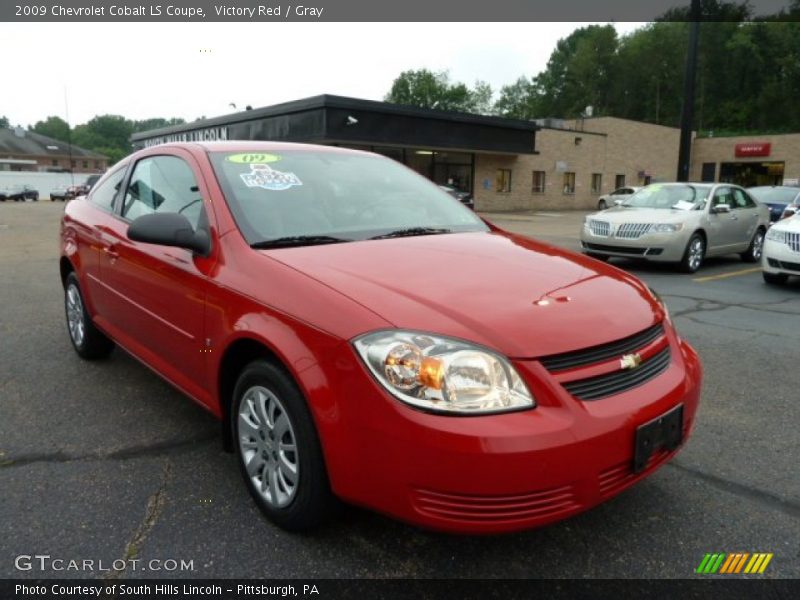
(521, 297)
(625, 214)
(791, 224)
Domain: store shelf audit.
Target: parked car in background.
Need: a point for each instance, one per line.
(777, 197)
(782, 251)
(618, 195)
(403, 354)
(78, 190)
(62, 192)
(464, 197)
(19, 193)
(679, 222)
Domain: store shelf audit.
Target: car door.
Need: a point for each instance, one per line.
(723, 227)
(159, 292)
(748, 213)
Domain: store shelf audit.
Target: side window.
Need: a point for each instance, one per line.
(742, 199)
(163, 184)
(103, 194)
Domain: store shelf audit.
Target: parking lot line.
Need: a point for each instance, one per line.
(726, 275)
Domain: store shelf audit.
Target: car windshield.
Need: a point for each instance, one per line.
(681, 197)
(300, 197)
(774, 195)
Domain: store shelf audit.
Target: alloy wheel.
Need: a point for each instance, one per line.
(696, 251)
(75, 319)
(268, 446)
(758, 245)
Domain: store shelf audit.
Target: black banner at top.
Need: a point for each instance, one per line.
(373, 10)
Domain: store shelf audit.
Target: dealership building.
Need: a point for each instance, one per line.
(508, 164)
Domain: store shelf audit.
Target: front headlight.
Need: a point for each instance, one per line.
(776, 235)
(666, 227)
(443, 374)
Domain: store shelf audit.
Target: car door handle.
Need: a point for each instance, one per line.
(110, 252)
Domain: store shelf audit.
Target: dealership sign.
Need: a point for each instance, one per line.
(753, 149)
(210, 134)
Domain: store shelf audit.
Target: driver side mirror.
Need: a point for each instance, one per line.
(721, 208)
(169, 229)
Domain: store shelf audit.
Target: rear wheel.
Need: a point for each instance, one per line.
(753, 252)
(89, 342)
(602, 205)
(774, 278)
(279, 452)
(694, 254)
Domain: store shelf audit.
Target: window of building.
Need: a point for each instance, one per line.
(597, 182)
(538, 182)
(503, 180)
(86, 164)
(709, 172)
(97, 164)
(54, 162)
(73, 164)
(569, 182)
(619, 181)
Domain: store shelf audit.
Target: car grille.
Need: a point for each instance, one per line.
(601, 228)
(595, 354)
(463, 507)
(616, 249)
(793, 240)
(632, 231)
(602, 386)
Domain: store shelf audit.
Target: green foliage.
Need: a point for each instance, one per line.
(427, 89)
(54, 127)
(3, 121)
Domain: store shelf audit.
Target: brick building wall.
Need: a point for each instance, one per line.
(785, 148)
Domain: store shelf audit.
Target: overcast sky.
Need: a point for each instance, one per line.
(193, 69)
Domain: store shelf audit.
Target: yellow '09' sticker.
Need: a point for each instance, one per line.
(253, 158)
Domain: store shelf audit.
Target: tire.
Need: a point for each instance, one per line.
(694, 254)
(756, 248)
(774, 278)
(296, 495)
(602, 205)
(89, 342)
(601, 257)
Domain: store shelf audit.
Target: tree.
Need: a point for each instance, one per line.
(519, 100)
(54, 127)
(427, 89)
(482, 98)
(3, 121)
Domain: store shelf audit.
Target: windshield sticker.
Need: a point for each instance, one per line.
(266, 177)
(252, 158)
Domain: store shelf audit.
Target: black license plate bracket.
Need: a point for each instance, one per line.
(665, 431)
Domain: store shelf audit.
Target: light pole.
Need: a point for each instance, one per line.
(687, 112)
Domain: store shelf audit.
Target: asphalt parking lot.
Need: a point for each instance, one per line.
(105, 461)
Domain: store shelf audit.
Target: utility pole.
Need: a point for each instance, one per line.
(687, 112)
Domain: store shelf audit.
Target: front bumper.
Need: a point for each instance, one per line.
(779, 259)
(659, 247)
(491, 474)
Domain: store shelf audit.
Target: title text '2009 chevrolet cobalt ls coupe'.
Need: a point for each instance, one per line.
(364, 336)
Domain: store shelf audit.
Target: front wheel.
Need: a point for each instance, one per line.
(694, 254)
(602, 205)
(279, 452)
(774, 278)
(89, 342)
(753, 252)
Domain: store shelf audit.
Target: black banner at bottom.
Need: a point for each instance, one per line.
(368, 589)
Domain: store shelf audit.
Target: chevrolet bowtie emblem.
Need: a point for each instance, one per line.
(630, 361)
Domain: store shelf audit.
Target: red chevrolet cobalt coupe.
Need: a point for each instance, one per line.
(361, 335)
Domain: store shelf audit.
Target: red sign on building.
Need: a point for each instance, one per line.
(753, 149)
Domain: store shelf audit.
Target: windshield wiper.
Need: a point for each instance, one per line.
(298, 240)
(410, 231)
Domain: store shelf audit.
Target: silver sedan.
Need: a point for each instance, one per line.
(679, 222)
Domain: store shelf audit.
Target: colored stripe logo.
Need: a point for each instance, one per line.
(737, 562)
